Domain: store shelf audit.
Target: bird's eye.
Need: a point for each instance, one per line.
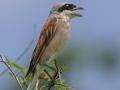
(66, 7)
(69, 6)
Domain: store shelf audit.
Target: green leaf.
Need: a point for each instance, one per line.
(13, 64)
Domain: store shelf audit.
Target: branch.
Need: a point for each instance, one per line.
(16, 78)
(37, 85)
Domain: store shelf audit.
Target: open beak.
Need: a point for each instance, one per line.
(77, 14)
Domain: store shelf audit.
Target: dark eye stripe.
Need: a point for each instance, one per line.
(66, 7)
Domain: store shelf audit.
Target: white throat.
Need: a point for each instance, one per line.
(65, 17)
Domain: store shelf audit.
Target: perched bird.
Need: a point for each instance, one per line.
(52, 38)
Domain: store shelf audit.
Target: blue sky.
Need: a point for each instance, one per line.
(17, 20)
(100, 24)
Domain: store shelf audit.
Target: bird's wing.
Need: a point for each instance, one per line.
(47, 33)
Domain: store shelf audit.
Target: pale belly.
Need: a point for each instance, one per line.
(56, 45)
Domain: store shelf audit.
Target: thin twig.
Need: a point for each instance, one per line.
(61, 85)
(2, 60)
(48, 74)
(23, 53)
(37, 85)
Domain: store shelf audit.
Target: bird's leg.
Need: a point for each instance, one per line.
(58, 70)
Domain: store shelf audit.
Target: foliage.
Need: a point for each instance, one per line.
(53, 79)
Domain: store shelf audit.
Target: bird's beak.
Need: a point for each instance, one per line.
(77, 14)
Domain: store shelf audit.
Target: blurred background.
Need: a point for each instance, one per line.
(91, 54)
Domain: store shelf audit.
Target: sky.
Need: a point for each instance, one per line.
(97, 31)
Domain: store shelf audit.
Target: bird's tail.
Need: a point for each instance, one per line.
(38, 71)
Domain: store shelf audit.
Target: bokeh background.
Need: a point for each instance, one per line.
(92, 53)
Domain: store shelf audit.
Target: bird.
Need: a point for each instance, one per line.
(52, 38)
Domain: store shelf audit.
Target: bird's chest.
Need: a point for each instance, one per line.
(60, 38)
(57, 43)
(61, 35)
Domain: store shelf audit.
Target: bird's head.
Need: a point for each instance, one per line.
(67, 9)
